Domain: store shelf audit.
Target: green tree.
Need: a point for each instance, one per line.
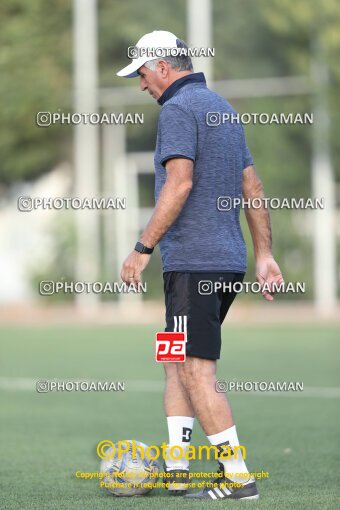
(35, 58)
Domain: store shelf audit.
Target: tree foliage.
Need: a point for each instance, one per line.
(35, 56)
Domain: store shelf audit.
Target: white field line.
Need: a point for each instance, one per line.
(148, 386)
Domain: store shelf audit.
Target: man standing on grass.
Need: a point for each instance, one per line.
(197, 161)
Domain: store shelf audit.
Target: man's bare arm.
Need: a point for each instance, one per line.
(267, 270)
(170, 202)
(258, 218)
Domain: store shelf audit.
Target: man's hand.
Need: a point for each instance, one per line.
(267, 270)
(133, 267)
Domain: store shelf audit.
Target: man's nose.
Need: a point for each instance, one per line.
(143, 85)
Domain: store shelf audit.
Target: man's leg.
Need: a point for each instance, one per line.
(176, 399)
(180, 419)
(178, 409)
(211, 408)
(213, 411)
(179, 413)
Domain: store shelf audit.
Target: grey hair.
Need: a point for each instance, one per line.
(178, 63)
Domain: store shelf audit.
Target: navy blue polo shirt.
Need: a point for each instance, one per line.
(203, 238)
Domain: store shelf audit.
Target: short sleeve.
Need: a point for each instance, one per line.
(247, 157)
(177, 130)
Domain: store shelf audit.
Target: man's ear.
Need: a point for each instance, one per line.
(164, 68)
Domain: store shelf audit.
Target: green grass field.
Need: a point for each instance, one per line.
(47, 437)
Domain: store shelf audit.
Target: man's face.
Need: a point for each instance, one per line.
(152, 81)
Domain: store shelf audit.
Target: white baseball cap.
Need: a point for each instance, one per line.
(149, 47)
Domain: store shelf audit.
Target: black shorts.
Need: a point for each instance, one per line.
(199, 308)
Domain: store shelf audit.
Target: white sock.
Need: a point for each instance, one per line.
(180, 429)
(234, 464)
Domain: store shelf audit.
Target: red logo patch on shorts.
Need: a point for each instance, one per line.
(170, 346)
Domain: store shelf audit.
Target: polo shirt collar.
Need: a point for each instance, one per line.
(178, 84)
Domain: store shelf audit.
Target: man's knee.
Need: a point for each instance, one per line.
(195, 372)
(171, 371)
